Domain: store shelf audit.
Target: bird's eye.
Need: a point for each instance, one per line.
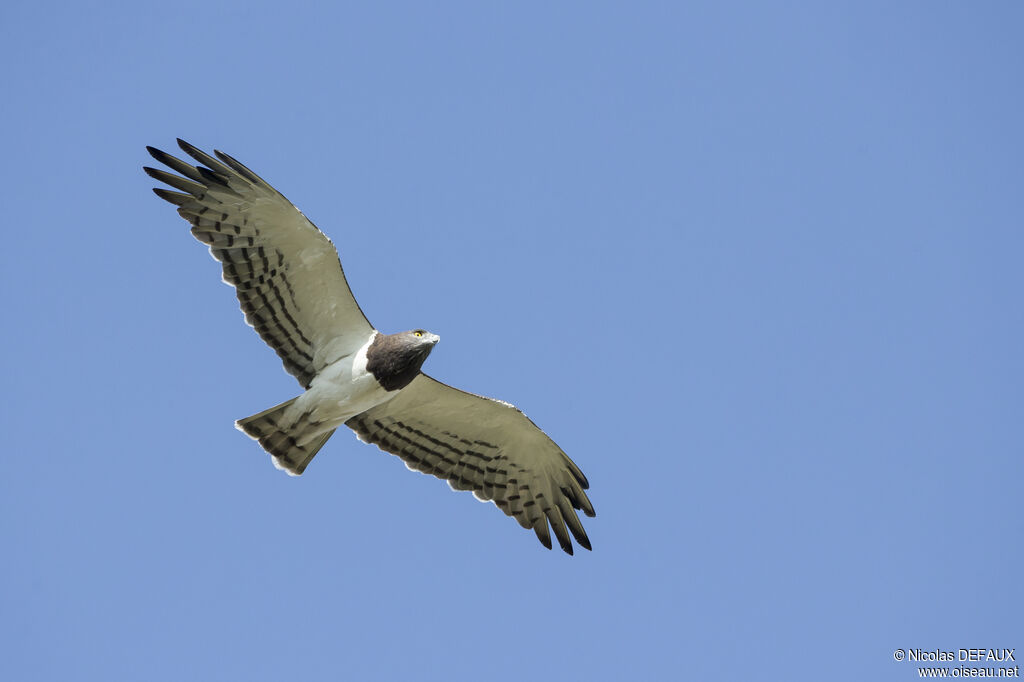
(417, 333)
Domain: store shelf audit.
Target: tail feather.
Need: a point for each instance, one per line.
(290, 446)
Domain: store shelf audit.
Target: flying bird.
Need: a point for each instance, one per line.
(293, 291)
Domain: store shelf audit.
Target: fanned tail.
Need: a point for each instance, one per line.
(290, 445)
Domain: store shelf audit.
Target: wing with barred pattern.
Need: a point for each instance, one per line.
(486, 446)
(286, 273)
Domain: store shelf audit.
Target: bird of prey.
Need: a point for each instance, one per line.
(291, 287)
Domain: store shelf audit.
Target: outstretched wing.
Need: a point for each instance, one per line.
(486, 446)
(286, 272)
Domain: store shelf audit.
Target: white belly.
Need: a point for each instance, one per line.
(339, 392)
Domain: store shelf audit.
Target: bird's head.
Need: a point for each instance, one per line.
(411, 348)
(421, 338)
(395, 359)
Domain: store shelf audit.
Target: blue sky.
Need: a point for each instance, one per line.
(755, 267)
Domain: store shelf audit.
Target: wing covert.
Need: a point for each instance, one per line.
(486, 446)
(286, 273)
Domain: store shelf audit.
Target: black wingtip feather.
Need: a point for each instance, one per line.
(160, 155)
(540, 527)
(176, 198)
(557, 525)
(176, 181)
(210, 176)
(240, 168)
(186, 147)
(204, 158)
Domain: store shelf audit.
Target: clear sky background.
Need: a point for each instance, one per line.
(755, 267)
